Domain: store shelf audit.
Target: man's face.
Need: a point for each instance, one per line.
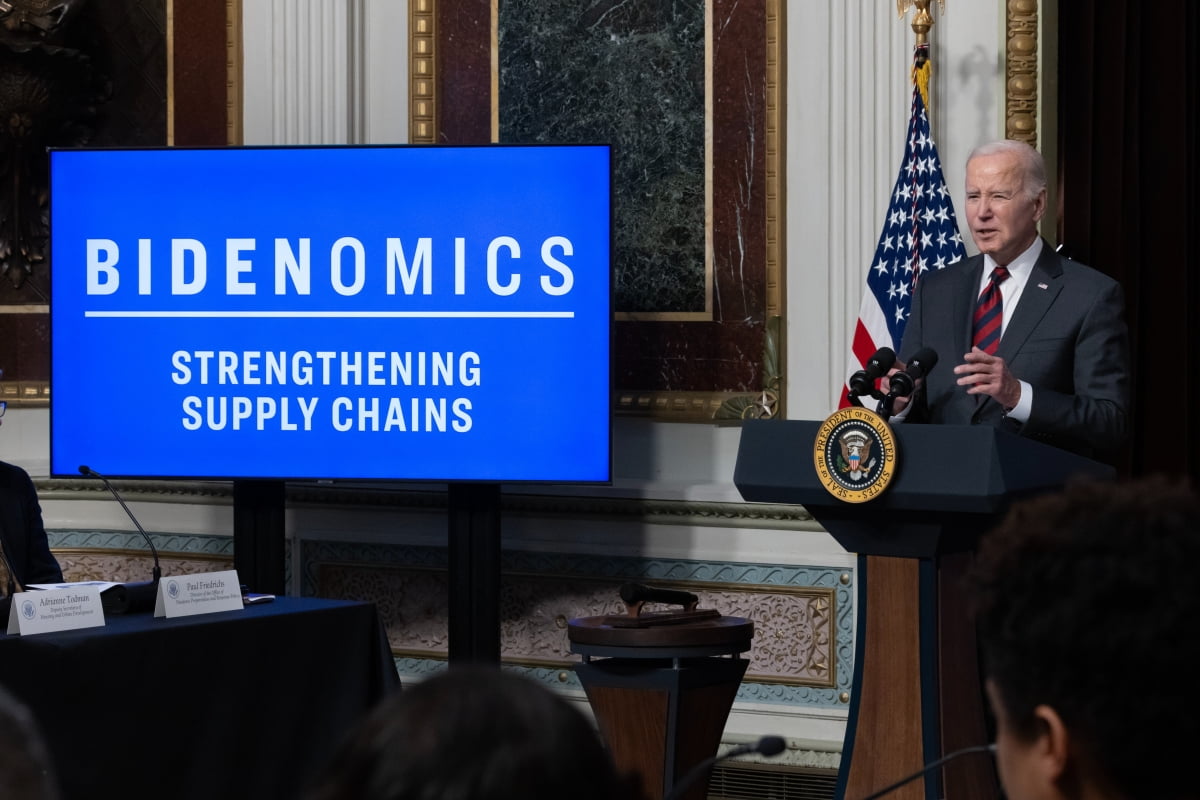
(1002, 216)
(1015, 757)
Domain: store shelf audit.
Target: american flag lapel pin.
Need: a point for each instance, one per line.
(1043, 286)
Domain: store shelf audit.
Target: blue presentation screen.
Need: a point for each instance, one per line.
(417, 313)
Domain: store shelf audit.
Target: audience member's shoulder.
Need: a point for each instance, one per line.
(10, 473)
(25, 764)
(473, 732)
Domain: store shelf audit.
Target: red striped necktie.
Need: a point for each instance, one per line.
(989, 313)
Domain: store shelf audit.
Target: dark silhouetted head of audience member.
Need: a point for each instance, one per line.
(25, 772)
(1088, 612)
(472, 733)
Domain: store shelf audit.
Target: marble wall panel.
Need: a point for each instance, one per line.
(632, 75)
(691, 270)
(462, 55)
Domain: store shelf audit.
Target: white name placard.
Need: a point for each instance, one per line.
(202, 593)
(55, 610)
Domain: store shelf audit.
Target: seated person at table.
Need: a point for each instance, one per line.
(473, 733)
(24, 762)
(27, 557)
(1088, 612)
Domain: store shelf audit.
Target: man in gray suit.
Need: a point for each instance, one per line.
(1028, 340)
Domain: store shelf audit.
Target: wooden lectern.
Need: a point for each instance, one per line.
(662, 692)
(917, 694)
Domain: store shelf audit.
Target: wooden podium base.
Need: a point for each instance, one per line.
(914, 704)
(886, 719)
(660, 720)
(661, 696)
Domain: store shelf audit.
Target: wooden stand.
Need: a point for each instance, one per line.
(662, 695)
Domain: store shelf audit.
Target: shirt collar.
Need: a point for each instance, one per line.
(1021, 266)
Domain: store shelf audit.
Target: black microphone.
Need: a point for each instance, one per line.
(920, 365)
(128, 596)
(863, 381)
(766, 746)
(635, 593)
(982, 748)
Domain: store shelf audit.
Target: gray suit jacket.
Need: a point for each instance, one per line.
(1067, 338)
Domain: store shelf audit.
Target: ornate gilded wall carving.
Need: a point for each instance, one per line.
(1021, 72)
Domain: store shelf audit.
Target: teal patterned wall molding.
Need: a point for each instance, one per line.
(803, 651)
(180, 544)
(194, 493)
(91, 555)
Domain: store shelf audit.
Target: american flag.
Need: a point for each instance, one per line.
(919, 234)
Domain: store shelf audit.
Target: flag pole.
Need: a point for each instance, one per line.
(921, 24)
(919, 231)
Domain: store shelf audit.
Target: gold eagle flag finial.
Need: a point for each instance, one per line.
(922, 20)
(921, 23)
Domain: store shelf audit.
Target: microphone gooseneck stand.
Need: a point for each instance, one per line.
(135, 595)
(766, 746)
(982, 748)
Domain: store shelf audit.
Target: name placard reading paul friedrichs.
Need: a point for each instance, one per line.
(855, 454)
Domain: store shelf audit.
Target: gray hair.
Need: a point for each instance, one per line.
(1033, 166)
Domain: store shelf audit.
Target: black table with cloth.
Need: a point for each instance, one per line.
(235, 704)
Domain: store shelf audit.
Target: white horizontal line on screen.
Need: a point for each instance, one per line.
(338, 314)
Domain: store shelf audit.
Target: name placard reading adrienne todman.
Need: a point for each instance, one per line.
(202, 593)
(424, 313)
(55, 610)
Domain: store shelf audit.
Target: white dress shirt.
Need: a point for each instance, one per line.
(1010, 294)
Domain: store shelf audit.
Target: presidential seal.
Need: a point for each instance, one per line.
(855, 454)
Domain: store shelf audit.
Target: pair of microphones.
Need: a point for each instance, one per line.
(863, 383)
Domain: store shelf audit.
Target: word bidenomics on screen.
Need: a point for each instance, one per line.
(415, 313)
